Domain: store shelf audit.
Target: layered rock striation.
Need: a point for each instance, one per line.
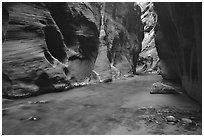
(35, 37)
(179, 45)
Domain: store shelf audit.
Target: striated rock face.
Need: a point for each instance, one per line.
(124, 34)
(45, 45)
(77, 45)
(24, 67)
(25, 20)
(36, 37)
(179, 45)
(77, 24)
(148, 57)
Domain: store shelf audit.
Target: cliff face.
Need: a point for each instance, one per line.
(24, 66)
(47, 44)
(148, 56)
(76, 44)
(34, 31)
(124, 33)
(179, 45)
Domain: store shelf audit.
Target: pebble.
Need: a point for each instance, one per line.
(193, 118)
(144, 116)
(172, 123)
(156, 122)
(107, 80)
(142, 108)
(33, 118)
(159, 113)
(166, 111)
(35, 102)
(186, 120)
(171, 119)
(150, 107)
(42, 101)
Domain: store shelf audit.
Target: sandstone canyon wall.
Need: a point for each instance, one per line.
(36, 31)
(179, 45)
(48, 44)
(69, 32)
(124, 33)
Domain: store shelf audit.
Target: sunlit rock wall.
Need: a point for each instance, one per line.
(25, 70)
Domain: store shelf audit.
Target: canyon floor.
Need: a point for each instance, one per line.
(123, 106)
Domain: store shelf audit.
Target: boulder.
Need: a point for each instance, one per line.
(161, 88)
(186, 121)
(171, 119)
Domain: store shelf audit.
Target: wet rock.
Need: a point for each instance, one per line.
(129, 75)
(32, 118)
(143, 108)
(172, 123)
(171, 119)
(43, 101)
(159, 113)
(193, 118)
(107, 80)
(160, 88)
(38, 102)
(186, 121)
(144, 117)
(157, 122)
(148, 118)
(150, 107)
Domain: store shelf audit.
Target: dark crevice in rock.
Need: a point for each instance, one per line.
(55, 43)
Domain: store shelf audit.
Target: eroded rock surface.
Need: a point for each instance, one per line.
(25, 69)
(124, 34)
(36, 32)
(178, 42)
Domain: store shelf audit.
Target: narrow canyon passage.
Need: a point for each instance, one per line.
(112, 108)
(101, 68)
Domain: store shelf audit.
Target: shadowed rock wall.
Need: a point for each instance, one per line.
(179, 45)
(80, 33)
(124, 33)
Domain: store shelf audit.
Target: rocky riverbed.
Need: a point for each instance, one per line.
(121, 107)
(142, 63)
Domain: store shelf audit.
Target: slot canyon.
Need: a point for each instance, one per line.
(101, 68)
